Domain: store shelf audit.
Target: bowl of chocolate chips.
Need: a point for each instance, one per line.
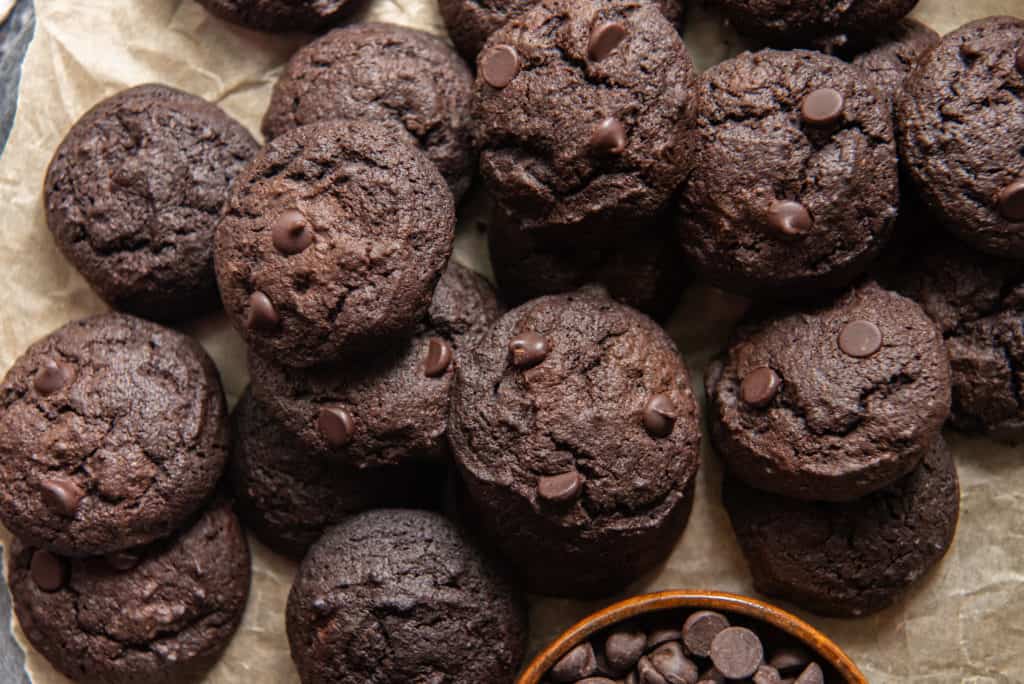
(692, 637)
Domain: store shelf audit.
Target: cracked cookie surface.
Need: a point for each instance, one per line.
(795, 190)
(891, 57)
(961, 118)
(134, 192)
(576, 431)
(391, 597)
(800, 23)
(113, 430)
(332, 240)
(279, 15)
(848, 559)
(831, 403)
(407, 80)
(160, 613)
(584, 115)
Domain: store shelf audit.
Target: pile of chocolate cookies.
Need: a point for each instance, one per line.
(867, 192)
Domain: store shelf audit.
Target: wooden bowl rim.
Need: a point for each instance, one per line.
(686, 598)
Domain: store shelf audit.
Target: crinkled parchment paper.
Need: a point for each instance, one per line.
(961, 623)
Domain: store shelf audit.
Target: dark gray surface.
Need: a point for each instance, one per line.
(15, 35)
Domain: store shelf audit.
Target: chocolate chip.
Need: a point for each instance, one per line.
(812, 674)
(737, 652)
(528, 349)
(574, 665)
(1011, 201)
(860, 339)
(1019, 60)
(712, 676)
(661, 636)
(759, 387)
(790, 660)
(700, 629)
(608, 137)
(672, 664)
(291, 232)
(262, 314)
(604, 38)
(48, 571)
(788, 219)
(62, 495)
(823, 107)
(122, 561)
(439, 357)
(970, 49)
(50, 377)
(560, 488)
(766, 674)
(499, 65)
(623, 649)
(660, 415)
(335, 425)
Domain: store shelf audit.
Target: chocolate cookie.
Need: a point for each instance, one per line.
(113, 431)
(133, 194)
(894, 53)
(471, 22)
(978, 302)
(795, 189)
(831, 403)
(288, 495)
(640, 268)
(332, 240)
(585, 114)
(961, 118)
(406, 80)
(395, 596)
(155, 614)
(576, 432)
(848, 559)
(805, 23)
(390, 407)
(280, 15)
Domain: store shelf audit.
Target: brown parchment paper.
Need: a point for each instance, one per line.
(962, 623)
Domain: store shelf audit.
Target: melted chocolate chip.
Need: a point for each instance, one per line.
(291, 232)
(528, 349)
(499, 65)
(61, 495)
(439, 357)
(660, 415)
(50, 377)
(1011, 201)
(335, 425)
(759, 387)
(788, 219)
(860, 339)
(823, 107)
(48, 571)
(608, 137)
(737, 652)
(262, 314)
(560, 488)
(605, 37)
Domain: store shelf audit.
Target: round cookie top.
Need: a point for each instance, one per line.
(641, 268)
(848, 559)
(133, 194)
(800, 23)
(795, 189)
(160, 613)
(391, 407)
(279, 15)
(471, 22)
(402, 596)
(333, 239)
(582, 408)
(404, 79)
(960, 116)
(891, 58)
(289, 495)
(978, 302)
(834, 402)
(584, 114)
(113, 430)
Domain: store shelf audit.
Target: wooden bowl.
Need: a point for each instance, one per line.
(747, 607)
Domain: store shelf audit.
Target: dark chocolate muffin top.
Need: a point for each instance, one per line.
(848, 559)
(893, 54)
(332, 240)
(134, 192)
(113, 431)
(834, 402)
(280, 15)
(795, 189)
(803, 23)
(584, 114)
(157, 614)
(961, 120)
(407, 80)
(393, 597)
